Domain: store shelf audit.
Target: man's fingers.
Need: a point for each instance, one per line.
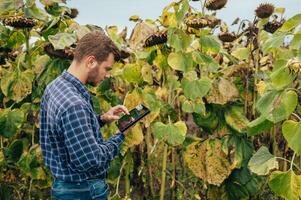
(115, 117)
(122, 108)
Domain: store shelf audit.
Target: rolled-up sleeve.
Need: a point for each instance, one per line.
(84, 151)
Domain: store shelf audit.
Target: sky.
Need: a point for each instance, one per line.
(117, 12)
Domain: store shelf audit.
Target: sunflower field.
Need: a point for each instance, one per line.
(225, 121)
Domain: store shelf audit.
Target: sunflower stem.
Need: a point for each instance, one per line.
(292, 162)
(164, 161)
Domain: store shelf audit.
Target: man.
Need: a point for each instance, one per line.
(70, 137)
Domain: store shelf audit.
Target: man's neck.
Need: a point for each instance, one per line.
(76, 70)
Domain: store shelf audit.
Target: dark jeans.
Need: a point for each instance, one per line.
(91, 189)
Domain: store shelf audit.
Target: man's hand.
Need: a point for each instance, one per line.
(114, 113)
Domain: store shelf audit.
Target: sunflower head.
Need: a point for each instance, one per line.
(264, 10)
(156, 38)
(197, 22)
(227, 37)
(67, 53)
(273, 26)
(215, 4)
(19, 22)
(73, 13)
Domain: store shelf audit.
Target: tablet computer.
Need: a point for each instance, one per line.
(126, 121)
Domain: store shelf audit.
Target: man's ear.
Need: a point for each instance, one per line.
(91, 62)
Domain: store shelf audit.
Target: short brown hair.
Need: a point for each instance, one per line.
(97, 44)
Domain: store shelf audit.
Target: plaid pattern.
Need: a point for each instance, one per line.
(70, 136)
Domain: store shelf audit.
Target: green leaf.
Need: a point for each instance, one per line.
(258, 126)
(210, 44)
(132, 73)
(276, 106)
(16, 39)
(296, 42)
(174, 134)
(146, 73)
(188, 106)
(283, 106)
(183, 8)
(168, 19)
(201, 58)
(196, 106)
(292, 133)
(242, 184)
(178, 39)
(180, 61)
(207, 121)
(62, 40)
(236, 119)
(10, 5)
(15, 150)
(10, 121)
(151, 100)
(281, 78)
(196, 88)
(262, 162)
(286, 184)
(172, 82)
(17, 85)
(240, 149)
(265, 103)
(241, 53)
(291, 23)
(272, 43)
(53, 69)
(35, 12)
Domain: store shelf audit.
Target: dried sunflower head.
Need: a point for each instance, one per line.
(215, 4)
(67, 53)
(294, 66)
(273, 26)
(19, 22)
(227, 37)
(197, 22)
(156, 38)
(264, 10)
(73, 13)
(214, 22)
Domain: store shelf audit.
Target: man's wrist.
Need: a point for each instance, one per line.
(101, 121)
(102, 118)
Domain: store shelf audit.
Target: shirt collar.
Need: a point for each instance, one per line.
(77, 83)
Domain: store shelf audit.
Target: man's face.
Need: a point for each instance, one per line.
(101, 71)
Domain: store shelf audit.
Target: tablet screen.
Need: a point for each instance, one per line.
(126, 121)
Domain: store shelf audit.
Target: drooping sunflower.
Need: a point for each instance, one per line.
(227, 37)
(19, 22)
(67, 53)
(215, 4)
(156, 38)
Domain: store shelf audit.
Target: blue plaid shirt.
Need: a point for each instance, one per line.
(70, 136)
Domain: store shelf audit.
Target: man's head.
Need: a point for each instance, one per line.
(95, 53)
